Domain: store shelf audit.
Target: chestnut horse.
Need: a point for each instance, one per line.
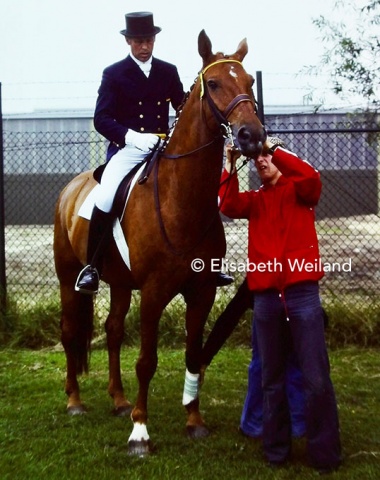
(170, 220)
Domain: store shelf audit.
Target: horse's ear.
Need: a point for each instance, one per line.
(242, 49)
(204, 47)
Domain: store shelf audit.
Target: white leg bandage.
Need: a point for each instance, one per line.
(139, 433)
(191, 387)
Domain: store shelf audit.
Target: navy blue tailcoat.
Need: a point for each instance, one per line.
(129, 99)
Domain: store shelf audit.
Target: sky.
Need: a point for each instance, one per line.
(53, 52)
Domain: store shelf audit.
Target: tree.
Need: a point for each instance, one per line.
(352, 51)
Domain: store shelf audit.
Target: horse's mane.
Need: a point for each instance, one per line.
(176, 118)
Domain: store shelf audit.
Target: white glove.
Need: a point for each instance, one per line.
(143, 141)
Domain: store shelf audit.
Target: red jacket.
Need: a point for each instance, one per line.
(282, 240)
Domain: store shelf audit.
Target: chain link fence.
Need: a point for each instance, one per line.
(37, 165)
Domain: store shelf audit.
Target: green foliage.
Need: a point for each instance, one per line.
(352, 50)
(40, 441)
(38, 326)
(34, 328)
(351, 325)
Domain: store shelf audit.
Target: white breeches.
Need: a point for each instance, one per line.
(120, 164)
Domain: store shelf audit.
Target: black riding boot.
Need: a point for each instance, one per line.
(98, 236)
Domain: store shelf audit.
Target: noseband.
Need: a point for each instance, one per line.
(221, 117)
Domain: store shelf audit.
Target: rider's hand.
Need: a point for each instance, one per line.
(143, 141)
(232, 154)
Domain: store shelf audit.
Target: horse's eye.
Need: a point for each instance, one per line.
(212, 84)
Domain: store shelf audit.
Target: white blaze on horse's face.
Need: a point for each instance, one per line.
(232, 73)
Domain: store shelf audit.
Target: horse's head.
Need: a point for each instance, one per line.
(226, 88)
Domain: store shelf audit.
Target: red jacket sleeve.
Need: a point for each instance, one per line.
(233, 204)
(306, 179)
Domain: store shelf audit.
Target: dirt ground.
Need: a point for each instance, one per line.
(354, 241)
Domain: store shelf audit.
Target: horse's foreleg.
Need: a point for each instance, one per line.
(139, 442)
(120, 301)
(76, 332)
(199, 304)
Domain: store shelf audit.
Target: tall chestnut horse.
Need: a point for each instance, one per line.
(170, 220)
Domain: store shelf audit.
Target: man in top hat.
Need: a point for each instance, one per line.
(132, 110)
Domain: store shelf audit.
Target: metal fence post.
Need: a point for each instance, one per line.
(260, 98)
(3, 286)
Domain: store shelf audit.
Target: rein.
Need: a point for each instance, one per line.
(175, 157)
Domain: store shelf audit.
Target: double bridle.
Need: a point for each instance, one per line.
(222, 117)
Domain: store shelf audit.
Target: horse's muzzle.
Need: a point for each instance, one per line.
(250, 141)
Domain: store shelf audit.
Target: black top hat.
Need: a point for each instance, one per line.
(140, 24)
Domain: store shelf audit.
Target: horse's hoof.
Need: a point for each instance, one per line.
(197, 431)
(140, 448)
(76, 410)
(122, 411)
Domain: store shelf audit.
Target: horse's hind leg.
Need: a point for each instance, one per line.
(199, 304)
(76, 333)
(120, 301)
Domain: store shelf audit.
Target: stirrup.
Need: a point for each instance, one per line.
(88, 281)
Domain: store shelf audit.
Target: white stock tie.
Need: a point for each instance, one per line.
(146, 67)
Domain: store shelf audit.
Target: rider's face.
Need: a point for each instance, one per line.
(142, 48)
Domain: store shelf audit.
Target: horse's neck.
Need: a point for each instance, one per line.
(196, 173)
(199, 148)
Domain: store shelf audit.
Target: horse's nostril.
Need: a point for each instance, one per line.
(244, 134)
(250, 141)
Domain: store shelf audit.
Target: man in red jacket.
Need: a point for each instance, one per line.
(283, 270)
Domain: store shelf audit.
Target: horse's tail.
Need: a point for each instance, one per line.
(85, 331)
(76, 336)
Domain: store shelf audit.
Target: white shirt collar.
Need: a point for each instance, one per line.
(145, 66)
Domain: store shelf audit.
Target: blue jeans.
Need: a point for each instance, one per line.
(300, 303)
(251, 422)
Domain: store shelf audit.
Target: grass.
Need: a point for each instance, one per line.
(39, 440)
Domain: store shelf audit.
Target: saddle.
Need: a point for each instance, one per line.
(124, 187)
